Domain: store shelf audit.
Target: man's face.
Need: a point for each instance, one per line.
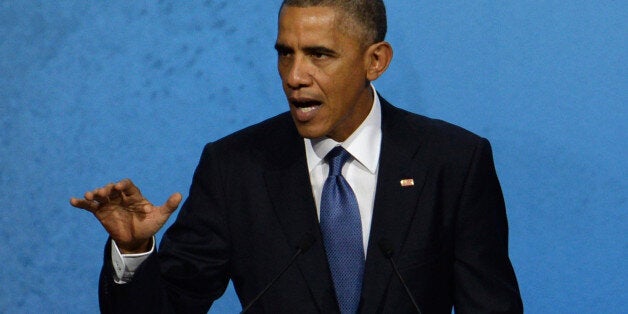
(323, 72)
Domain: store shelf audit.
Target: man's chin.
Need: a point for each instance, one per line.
(309, 131)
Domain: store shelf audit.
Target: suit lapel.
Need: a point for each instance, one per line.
(395, 203)
(289, 187)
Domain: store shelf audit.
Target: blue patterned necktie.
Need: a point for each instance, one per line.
(342, 233)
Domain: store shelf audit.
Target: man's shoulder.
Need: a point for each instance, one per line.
(413, 125)
(265, 140)
(435, 142)
(277, 128)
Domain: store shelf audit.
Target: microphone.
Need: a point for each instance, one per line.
(304, 244)
(388, 251)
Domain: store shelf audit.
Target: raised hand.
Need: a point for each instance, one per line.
(129, 218)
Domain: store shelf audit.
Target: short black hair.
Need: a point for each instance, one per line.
(369, 15)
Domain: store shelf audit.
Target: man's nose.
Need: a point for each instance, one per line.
(299, 74)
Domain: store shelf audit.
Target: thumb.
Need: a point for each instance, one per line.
(172, 203)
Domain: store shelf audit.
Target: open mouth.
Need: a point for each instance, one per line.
(305, 108)
(307, 105)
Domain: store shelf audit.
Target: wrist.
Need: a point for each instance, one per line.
(136, 248)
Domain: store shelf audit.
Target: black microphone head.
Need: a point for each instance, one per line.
(306, 242)
(386, 247)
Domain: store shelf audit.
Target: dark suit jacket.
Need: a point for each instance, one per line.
(250, 203)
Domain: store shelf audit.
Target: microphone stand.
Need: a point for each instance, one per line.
(306, 242)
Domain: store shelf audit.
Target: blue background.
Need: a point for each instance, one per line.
(96, 91)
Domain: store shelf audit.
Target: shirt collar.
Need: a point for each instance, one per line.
(363, 144)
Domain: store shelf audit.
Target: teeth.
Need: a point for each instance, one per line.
(307, 109)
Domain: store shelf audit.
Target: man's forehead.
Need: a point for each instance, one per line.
(298, 13)
(336, 8)
(317, 22)
(320, 23)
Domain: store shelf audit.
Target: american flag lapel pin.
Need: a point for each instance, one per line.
(406, 182)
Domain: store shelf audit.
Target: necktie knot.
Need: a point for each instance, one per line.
(336, 158)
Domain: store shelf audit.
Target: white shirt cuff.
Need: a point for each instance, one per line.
(124, 265)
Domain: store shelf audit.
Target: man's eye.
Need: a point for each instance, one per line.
(283, 53)
(318, 55)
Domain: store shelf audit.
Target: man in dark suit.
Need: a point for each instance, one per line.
(424, 190)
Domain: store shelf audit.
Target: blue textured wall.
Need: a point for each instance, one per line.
(92, 92)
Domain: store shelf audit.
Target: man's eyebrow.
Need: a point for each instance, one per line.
(309, 50)
(319, 50)
(281, 47)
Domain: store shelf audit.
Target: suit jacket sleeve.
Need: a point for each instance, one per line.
(484, 278)
(190, 269)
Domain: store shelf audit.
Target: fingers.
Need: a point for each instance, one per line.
(112, 191)
(103, 195)
(84, 204)
(125, 195)
(127, 188)
(91, 200)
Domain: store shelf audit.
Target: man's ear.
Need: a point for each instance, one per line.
(377, 58)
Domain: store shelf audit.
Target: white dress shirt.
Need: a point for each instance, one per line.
(360, 172)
